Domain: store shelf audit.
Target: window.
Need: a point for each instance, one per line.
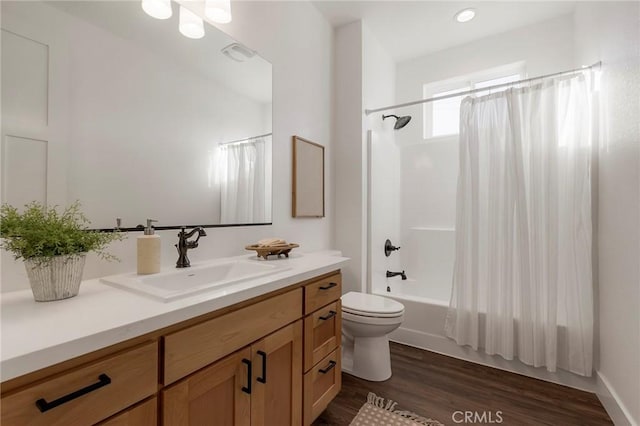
(442, 118)
(445, 114)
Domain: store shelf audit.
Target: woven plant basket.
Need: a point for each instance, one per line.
(55, 278)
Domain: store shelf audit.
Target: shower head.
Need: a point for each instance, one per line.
(400, 121)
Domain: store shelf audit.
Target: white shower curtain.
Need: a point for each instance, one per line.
(241, 171)
(522, 285)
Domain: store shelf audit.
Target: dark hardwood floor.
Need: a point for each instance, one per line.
(436, 386)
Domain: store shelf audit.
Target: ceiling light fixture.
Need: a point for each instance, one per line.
(465, 15)
(218, 10)
(159, 9)
(190, 25)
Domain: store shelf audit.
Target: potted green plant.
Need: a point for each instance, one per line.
(53, 245)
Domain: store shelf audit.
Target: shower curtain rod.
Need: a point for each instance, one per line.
(468, 92)
(246, 139)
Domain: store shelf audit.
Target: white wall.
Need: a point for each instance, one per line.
(297, 40)
(610, 32)
(383, 159)
(350, 172)
(364, 77)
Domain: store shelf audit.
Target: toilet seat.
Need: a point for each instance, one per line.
(371, 314)
(376, 321)
(370, 305)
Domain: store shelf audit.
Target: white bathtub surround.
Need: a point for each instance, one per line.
(523, 240)
(428, 259)
(37, 335)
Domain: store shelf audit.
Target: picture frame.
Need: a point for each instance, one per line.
(308, 178)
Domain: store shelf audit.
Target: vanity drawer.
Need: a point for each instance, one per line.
(87, 394)
(193, 348)
(322, 333)
(144, 414)
(321, 385)
(322, 292)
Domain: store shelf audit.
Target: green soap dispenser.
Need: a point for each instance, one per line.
(149, 250)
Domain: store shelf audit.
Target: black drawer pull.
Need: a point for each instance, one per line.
(247, 389)
(263, 379)
(327, 287)
(329, 368)
(43, 405)
(330, 315)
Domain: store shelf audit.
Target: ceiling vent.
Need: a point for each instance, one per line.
(238, 52)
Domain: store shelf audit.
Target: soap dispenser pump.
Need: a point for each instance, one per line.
(149, 250)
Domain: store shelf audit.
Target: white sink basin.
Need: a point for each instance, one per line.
(171, 285)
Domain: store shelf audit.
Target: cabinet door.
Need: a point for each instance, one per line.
(215, 396)
(277, 386)
(322, 333)
(144, 414)
(321, 384)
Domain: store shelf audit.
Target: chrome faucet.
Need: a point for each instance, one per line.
(184, 245)
(393, 274)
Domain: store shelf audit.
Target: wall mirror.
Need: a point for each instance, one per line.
(308, 178)
(104, 104)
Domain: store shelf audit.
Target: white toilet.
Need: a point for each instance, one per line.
(367, 320)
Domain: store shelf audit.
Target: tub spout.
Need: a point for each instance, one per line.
(393, 274)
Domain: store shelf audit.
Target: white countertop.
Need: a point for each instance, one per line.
(37, 335)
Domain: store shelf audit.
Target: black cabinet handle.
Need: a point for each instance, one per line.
(329, 367)
(263, 379)
(330, 315)
(247, 389)
(327, 287)
(43, 405)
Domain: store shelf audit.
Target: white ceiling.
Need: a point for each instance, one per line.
(409, 29)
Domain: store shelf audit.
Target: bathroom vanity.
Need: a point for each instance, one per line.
(266, 353)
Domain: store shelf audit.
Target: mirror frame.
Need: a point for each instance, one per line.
(301, 179)
(107, 225)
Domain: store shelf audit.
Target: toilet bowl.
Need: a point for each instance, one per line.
(367, 320)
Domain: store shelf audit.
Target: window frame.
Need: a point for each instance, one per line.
(464, 81)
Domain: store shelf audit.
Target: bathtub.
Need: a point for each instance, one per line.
(424, 317)
(427, 257)
(423, 327)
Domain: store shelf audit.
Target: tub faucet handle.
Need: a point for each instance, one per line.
(389, 247)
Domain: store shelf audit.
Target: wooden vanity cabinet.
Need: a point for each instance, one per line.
(321, 384)
(88, 393)
(322, 340)
(274, 360)
(214, 396)
(276, 397)
(189, 349)
(259, 385)
(143, 414)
